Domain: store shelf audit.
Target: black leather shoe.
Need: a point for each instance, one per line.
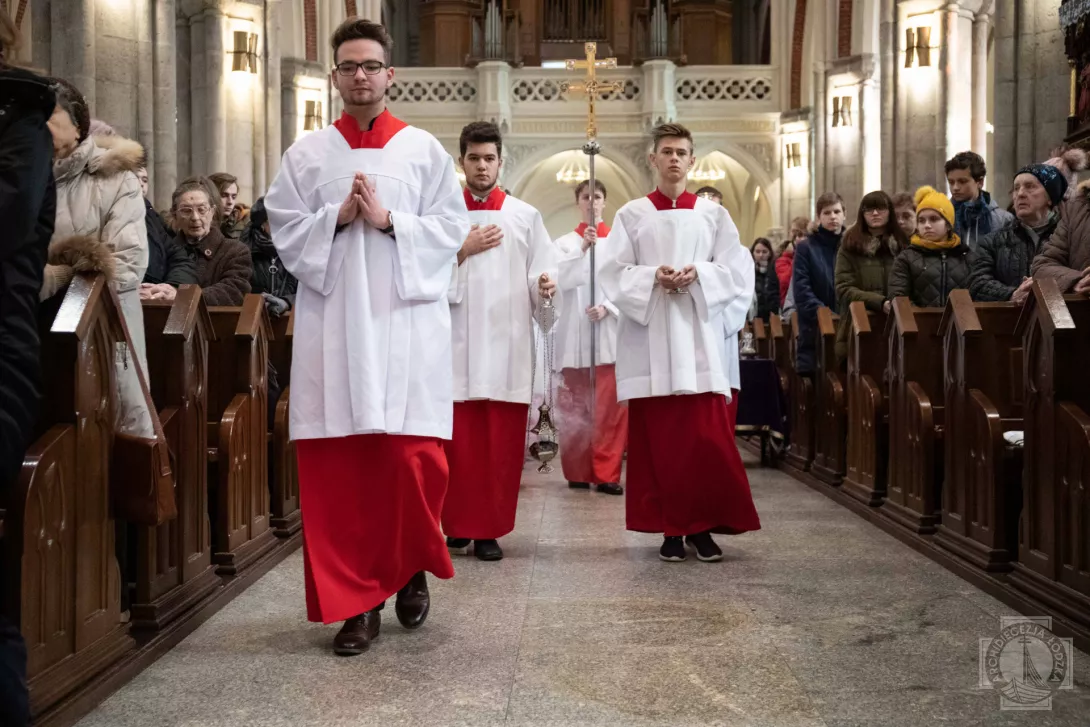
(357, 633)
(458, 546)
(579, 485)
(610, 488)
(487, 550)
(413, 602)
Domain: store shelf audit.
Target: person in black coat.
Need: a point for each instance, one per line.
(269, 278)
(766, 288)
(27, 208)
(168, 264)
(813, 276)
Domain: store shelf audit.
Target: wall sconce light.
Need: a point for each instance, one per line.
(918, 47)
(794, 155)
(244, 52)
(313, 118)
(842, 111)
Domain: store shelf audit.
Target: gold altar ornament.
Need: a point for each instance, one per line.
(590, 85)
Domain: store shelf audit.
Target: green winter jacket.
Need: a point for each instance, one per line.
(862, 276)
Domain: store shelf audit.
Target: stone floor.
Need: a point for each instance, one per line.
(818, 619)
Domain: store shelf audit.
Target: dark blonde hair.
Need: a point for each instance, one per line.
(667, 131)
(828, 199)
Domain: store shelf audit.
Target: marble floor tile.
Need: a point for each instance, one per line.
(819, 619)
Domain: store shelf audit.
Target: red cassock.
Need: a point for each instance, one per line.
(486, 454)
(371, 505)
(685, 475)
(591, 451)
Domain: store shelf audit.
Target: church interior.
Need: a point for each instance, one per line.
(921, 496)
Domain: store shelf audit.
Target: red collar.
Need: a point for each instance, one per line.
(383, 128)
(603, 229)
(686, 201)
(493, 202)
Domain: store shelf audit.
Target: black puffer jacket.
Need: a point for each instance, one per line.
(1002, 259)
(269, 274)
(766, 291)
(28, 200)
(928, 276)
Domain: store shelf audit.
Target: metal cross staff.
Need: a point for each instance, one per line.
(592, 88)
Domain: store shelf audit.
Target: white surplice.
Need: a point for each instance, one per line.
(494, 300)
(372, 351)
(572, 339)
(669, 343)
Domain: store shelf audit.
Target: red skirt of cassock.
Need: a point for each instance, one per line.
(591, 451)
(685, 475)
(371, 505)
(486, 454)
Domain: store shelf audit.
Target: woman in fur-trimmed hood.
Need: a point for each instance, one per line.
(100, 227)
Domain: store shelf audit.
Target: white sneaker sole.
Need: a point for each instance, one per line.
(459, 551)
(701, 558)
(671, 559)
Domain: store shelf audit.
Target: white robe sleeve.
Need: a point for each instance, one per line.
(574, 268)
(629, 287)
(459, 278)
(428, 242)
(304, 236)
(544, 258)
(724, 284)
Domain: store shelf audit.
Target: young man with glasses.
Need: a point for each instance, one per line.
(367, 214)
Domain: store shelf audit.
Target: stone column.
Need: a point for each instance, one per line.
(273, 144)
(819, 151)
(370, 10)
(870, 129)
(145, 82)
(659, 82)
(200, 133)
(494, 92)
(215, 71)
(164, 174)
(73, 47)
(981, 27)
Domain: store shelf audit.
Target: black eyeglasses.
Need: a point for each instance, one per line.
(349, 68)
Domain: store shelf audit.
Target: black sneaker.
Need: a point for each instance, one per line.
(579, 485)
(458, 546)
(610, 488)
(487, 550)
(672, 550)
(705, 547)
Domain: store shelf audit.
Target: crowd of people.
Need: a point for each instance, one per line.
(924, 245)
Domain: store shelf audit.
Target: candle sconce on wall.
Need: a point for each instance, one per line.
(842, 111)
(244, 52)
(312, 118)
(918, 47)
(794, 155)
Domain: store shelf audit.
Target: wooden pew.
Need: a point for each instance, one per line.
(286, 518)
(780, 351)
(174, 568)
(868, 422)
(830, 416)
(1053, 564)
(62, 581)
(238, 435)
(981, 493)
(800, 453)
(913, 497)
(761, 339)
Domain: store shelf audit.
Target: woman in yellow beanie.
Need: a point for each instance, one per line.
(936, 261)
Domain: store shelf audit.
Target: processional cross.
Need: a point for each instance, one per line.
(592, 88)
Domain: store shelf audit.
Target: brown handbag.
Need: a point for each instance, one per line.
(141, 477)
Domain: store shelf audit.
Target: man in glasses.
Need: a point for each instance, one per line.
(367, 214)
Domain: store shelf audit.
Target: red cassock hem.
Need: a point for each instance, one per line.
(685, 475)
(371, 505)
(486, 454)
(591, 453)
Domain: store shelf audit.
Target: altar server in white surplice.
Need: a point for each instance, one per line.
(505, 269)
(593, 425)
(680, 277)
(367, 214)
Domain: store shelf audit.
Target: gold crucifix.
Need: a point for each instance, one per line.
(591, 86)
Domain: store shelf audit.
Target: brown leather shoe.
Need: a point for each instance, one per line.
(413, 602)
(357, 633)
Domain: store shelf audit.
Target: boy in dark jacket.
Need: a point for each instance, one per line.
(812, 279)
(936, 261)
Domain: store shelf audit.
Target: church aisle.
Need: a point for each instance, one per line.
(818, 619)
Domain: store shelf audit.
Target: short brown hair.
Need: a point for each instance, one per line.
(800, 224)
(904, 199)
(969, 161)
(827, 200)
(223, 180)
(480, 132)
(360, 29)
(586, 183)
(667, 131)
